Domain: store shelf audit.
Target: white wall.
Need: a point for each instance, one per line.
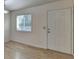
(6, 27)
(38, 36)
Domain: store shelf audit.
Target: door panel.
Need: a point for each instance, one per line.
(59, 30)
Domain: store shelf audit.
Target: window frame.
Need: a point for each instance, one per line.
(31, 22)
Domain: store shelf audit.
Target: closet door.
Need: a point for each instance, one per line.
(60, 30)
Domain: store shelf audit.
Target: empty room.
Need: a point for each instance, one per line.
(38, 29)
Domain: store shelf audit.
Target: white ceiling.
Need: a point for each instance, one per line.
(19, 4)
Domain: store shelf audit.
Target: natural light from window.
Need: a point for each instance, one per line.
(24, 23)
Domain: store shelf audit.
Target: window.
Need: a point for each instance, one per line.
(24, 23)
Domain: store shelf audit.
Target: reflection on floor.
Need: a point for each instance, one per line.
(15, 50)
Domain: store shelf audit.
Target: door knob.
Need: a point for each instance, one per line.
(48, 31)
(48, 28)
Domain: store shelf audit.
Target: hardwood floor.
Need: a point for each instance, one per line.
(14, 50)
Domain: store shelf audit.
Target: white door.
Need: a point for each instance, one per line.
(60, 30)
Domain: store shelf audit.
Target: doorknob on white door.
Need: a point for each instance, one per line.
(48, 31)
(48, 28)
